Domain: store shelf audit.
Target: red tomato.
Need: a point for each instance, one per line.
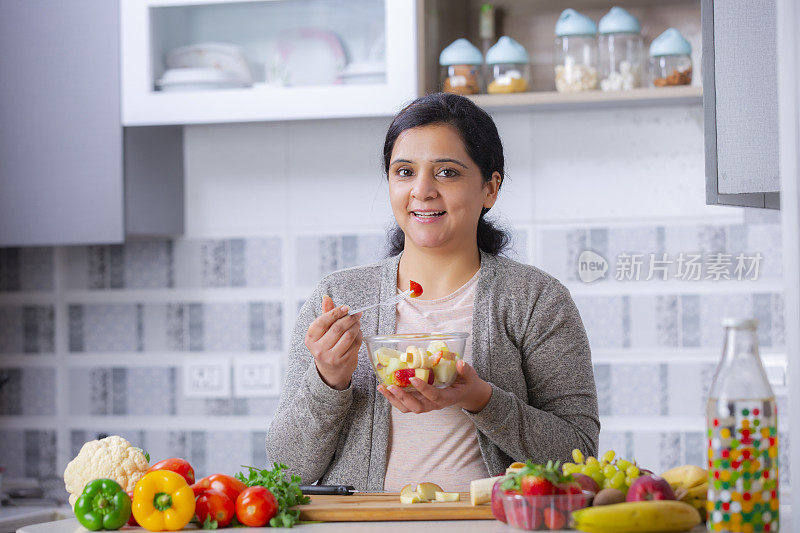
(255, 506)
(228, 485)
(132, 520)
(180, 466)
(215, 504)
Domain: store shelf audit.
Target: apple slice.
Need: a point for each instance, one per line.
(408, 494)
(427, 491)
(445, 371)
(414, 357)
(422, 373)
(447, 496)
(384, 355)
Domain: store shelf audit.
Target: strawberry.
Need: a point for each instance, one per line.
(554, 519)
(416, 289)
(533, 485)
(403, 375)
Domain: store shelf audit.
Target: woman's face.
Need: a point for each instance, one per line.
(435, 188)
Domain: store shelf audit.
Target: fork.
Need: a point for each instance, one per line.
(391, 301)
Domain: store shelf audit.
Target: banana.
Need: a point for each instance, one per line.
(637, 517)
(686, 476)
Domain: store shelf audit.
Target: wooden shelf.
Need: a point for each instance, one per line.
(552, 100)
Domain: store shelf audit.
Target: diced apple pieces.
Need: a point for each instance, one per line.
(445, 371)
(427, 491)
(408, 494)
(422, 373)
(435, 346)
(447, 496)
(413, 357)
(384, 355)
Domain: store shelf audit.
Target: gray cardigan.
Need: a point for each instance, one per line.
(528, 341)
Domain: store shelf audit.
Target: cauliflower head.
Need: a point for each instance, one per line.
(112, 457)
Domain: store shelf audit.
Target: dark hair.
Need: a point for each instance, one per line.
(481, 140)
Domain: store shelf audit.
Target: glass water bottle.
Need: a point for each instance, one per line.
(742, 424)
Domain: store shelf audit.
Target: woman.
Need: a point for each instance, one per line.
(525, 389)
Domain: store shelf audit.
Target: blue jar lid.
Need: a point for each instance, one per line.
(670, 43)
(461, 52)
(617, 20)
(573, 23)
(507, 50)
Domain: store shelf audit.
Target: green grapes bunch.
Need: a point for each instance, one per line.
(607, 472)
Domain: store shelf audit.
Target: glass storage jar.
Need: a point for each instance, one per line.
(461, 65)
(670, 60)
(575, 52)
(620, 51)
(508, 61)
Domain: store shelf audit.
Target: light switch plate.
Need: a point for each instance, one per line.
(206, 377)
(257, 376)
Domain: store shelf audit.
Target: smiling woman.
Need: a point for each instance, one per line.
(524, 387)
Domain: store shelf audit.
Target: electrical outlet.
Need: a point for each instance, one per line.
(256, 376)
(207, 377)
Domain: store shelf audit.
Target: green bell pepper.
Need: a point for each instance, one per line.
(103, 505)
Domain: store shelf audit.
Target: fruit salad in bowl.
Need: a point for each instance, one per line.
(430, 357)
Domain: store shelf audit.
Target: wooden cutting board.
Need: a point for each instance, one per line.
(386, 506)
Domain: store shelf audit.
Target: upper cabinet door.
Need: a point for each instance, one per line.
(741, 102)
(61, 150)
(207, 61)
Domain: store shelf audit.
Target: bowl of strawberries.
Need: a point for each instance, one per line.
(538, 497)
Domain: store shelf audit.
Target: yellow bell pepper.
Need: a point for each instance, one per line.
(163, 501)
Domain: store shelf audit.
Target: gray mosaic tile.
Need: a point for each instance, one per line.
(711, 238)
(97, 267)
(694, 448)
(39, 328)
(766, 239)
(215, 263)
(12, 452)
(226, 326)
(603, 319)
(10, 270)
(177, 338)
(617, 441)
(690, 320)
(762, 310)
(670, 451)
(257, 325)
(151, 391)
(11, 330)
(778, 325)
(263, 262)
(602, 380)
(119, 391)
(111, 328)
(258, 443)
(667, 320)
(226, 451)
(195, 327)
(37, 268)
(715, 307)
(639, 381)
(237, 263)
(38, 391)
(148, 264)
(11, 391)
(100, 399)
(40, 453)
(116, 266)
(684, 389)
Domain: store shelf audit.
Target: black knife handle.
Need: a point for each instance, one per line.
(335, 490)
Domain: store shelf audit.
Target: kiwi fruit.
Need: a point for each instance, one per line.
(609, 497)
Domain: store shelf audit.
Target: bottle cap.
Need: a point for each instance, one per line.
(670, 43)
(507, 50)
(461, 52)
(617, 20)
(573, 23)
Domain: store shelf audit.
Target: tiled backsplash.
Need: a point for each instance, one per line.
(93, 339)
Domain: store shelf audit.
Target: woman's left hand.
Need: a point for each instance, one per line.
(468, 391)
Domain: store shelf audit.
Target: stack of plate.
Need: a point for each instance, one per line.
(207, 66)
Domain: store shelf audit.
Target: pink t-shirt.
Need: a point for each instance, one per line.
(437, 446)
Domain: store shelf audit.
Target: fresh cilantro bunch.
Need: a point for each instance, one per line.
(287, 493)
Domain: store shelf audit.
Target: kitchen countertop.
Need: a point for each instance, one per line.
(455, 526)
(15, 517)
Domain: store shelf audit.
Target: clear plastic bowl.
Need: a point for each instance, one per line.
(533, 513)
(429, 356)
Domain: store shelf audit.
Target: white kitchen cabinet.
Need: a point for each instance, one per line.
(295, 51)
(69, 172)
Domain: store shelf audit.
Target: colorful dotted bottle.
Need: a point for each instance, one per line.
(742, 422)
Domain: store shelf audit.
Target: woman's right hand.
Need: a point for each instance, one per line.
(334, 339)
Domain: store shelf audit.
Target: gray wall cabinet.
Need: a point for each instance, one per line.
(740, 100)
(69, 172)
